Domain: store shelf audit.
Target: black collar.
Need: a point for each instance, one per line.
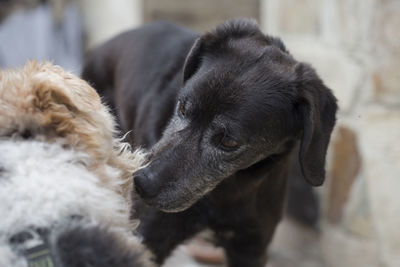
(33, 245)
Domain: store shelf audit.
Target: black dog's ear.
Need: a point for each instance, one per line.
(192, 61)
(317, 109)
(275, 41)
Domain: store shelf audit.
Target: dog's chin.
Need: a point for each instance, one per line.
(169, 205)
(173, 209)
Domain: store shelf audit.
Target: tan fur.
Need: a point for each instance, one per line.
(57, 106)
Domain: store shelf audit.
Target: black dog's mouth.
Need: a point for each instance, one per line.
(171, 208)
(172, 198)
(165, 203)
(166, 196)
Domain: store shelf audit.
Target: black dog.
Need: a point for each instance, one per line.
(225, 123)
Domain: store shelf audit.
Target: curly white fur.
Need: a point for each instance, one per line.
(41, 184)
(72, 164)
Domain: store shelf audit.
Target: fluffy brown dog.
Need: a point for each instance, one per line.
(65, 179)
(44, 101)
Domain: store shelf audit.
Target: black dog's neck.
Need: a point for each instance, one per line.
(263, 167)
(248, 182)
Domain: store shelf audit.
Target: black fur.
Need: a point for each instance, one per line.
(92, 245)
(224, 123)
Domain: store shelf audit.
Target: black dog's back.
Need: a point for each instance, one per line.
(142, 102)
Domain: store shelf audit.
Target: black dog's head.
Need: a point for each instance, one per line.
(244, 99)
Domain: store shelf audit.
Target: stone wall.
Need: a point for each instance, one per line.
(355, 46)
(106, 18)
(199, 15)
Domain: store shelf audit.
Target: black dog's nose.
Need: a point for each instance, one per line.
(144, 184)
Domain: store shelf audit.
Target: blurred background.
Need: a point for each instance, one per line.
(355, 47)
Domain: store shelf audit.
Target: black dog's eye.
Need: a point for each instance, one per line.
(181, 109)
(229, 142)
